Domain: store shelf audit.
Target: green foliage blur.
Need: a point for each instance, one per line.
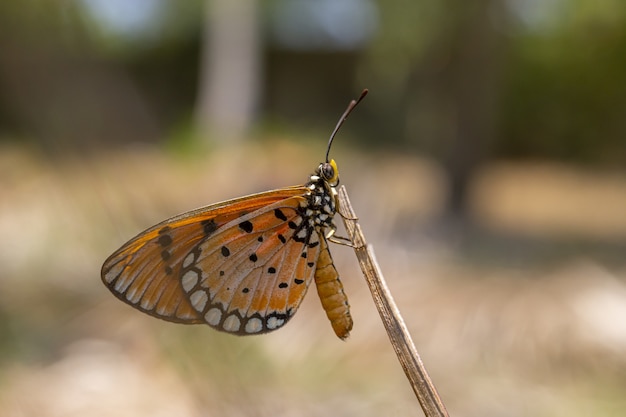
(523, 79)
(565, 94)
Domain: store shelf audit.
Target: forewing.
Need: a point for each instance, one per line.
(146, 272)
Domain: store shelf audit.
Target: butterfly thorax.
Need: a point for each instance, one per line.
(321, 206)
(322, 199)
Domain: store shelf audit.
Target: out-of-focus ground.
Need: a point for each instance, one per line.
(521, 315)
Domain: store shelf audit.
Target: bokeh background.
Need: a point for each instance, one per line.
(486, 167)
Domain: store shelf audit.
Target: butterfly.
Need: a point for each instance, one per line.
(242, 266)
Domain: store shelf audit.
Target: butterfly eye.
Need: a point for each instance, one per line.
(328, 171)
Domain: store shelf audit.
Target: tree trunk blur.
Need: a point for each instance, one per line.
(474, 75)
(457, 91)
(230, 69)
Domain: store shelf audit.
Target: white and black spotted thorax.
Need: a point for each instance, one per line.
(321, 204)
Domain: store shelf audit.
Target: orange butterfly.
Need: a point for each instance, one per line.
(241, 266)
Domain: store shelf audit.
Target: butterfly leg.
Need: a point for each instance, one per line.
(348, 218)
(339, 240)
(338, 208)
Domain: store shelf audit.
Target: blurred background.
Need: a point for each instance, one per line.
(486, 167)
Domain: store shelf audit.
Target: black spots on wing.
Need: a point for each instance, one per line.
(292, 225)
(283, 285)
(253, 257)
(282, 238)
(280, 215)
(314, 244)
(225, 251)
(221, 273)
(246, 226)
(164, 240)
(280, 316)
(310, 264)
(245, 290)
(303, 254)
(208, 226)
(271, 270)
(298, 281)
(260, 239)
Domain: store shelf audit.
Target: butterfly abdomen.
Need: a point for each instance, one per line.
(332, 296)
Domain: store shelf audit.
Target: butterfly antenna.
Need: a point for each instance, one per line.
(343, 118)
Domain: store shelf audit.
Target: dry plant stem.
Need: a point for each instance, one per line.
(394, 324)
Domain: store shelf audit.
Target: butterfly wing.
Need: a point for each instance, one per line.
(147, 271)
(252, 274)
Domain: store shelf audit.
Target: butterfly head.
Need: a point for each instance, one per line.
(328, 172)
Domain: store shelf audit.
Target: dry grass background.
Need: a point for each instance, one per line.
(525, 316)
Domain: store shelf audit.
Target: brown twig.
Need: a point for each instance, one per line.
(394, 324)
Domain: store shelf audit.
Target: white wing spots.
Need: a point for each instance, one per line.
(213, 316)
(254, 325)
(122, 285)
(199, 299)
(114, 272)
(130, 295)
(189, 259)
(146, 303)
(190, 279)
(163, 309)
(274, 322)
(232, 324)
(186, 315)
(136, 291)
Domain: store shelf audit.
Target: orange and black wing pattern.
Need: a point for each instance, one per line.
(145, 272)
(242, 266)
